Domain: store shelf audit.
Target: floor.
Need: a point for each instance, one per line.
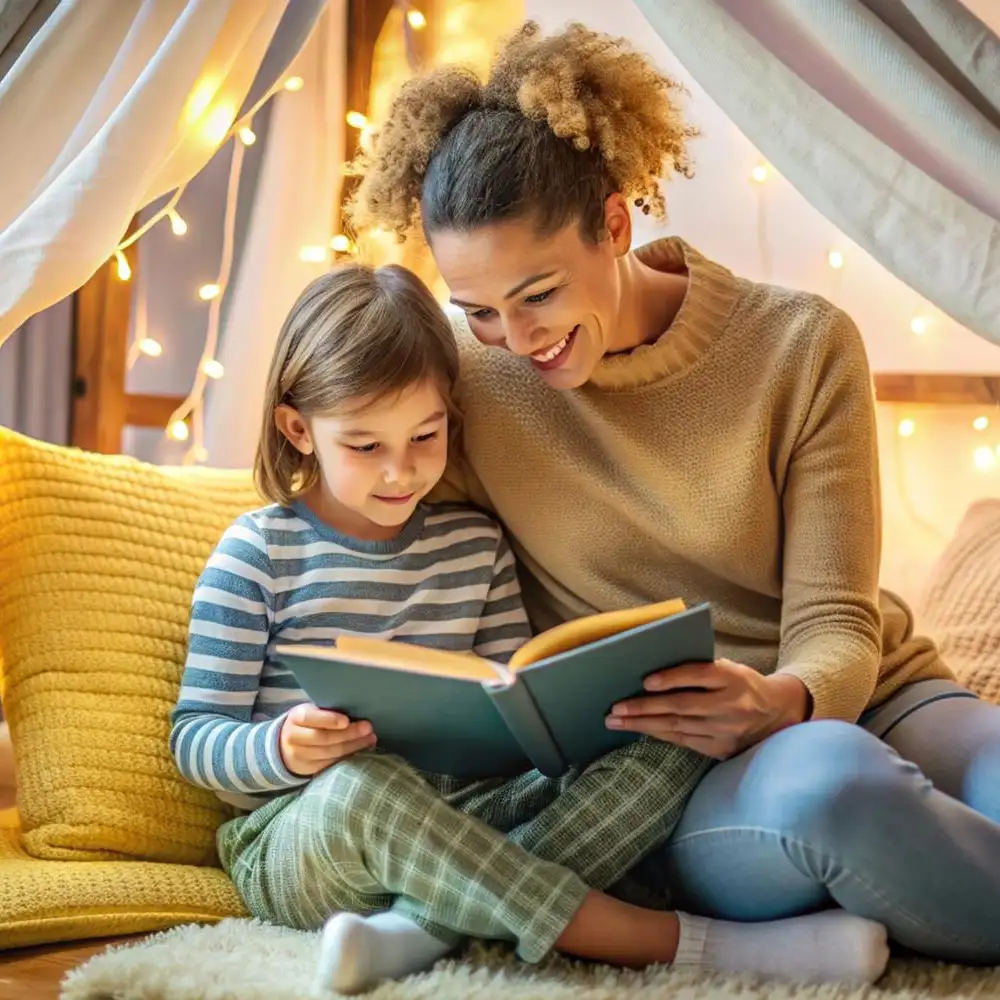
(37, 972)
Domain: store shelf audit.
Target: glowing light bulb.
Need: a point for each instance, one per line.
(217, 124)
(177, 224)
(178, 430)
(416, 19)
(759, 173)
(200, 99)
(212, 368)
(124, 271)
(906, 428)
(150, 347)
(294, 83)
(356, 119)
(981, 423)
(209, 292)
(984, 458)
(340, 243)
(313, 255)
(918, 325)
(247, 136)
(835, 260)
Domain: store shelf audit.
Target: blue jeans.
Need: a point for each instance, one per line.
(896, 818)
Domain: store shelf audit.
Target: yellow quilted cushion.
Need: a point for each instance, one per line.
(100, 557)
(42, 902)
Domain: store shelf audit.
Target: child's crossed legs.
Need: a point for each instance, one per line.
(371, 834)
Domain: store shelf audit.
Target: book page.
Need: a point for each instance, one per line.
(413, 658)
(581, 631)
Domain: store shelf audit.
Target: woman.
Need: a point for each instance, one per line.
(648, 425)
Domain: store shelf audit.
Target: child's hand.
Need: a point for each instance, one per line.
(314, 738)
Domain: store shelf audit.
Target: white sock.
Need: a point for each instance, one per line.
(358, 952)
(832, 946)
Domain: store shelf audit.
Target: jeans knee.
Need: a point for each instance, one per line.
(981, 786)
(830, 778)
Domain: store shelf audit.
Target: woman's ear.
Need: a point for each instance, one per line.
(292, 424)
(618, 223)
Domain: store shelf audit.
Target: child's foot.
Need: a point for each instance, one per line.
(358, 952)
(832, 946)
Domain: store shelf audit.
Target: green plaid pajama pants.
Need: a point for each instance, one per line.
(507, 859)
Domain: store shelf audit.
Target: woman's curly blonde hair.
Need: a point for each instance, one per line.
(562, 122)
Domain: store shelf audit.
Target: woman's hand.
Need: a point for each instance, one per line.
(313, 738)
(733, 708)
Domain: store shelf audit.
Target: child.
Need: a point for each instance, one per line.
(358, 415)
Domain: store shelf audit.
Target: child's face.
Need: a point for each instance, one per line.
(378, 460)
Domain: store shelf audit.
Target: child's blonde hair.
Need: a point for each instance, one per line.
(355, 332)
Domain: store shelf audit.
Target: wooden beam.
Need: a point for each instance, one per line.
(149, 410)
(364, 24)
(972, 390)
(101, 312)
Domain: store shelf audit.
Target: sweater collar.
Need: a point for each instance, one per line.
(711, 297)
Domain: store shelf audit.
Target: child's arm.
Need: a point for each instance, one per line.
(503, 627)
(213, 740)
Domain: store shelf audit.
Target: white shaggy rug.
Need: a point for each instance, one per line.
(247, 960)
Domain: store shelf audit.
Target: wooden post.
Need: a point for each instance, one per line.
(101, 310)
(102, 408)
(364, 24)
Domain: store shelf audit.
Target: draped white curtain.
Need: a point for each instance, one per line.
(295, 201)
(884, 114)
(109, 105)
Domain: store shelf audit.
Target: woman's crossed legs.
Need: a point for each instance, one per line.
(905, 832)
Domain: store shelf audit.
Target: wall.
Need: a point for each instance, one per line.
(768, 232)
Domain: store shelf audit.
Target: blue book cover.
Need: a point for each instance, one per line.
(458, 714)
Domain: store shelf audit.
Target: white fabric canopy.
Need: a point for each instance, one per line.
(884, 114)
(112, 104)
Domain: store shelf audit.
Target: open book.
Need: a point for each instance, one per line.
(461, 714)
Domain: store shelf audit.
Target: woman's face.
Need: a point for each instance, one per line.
(553, 300)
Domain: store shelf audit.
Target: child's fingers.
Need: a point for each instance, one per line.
(302, 736)
(311, 717)
(353, 746)
(328, 754)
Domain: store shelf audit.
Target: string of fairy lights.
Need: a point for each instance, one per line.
(985, 457)
(219, 125)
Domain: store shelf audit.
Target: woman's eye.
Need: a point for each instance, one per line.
(481, 314)
(540, 296)
(363, 449)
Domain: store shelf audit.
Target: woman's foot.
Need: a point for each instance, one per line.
(828, 947)
(358, 952)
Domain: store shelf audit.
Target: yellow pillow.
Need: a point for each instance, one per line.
(42, 902)
(100, 558)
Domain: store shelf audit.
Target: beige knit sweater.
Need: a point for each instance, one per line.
(732, 461)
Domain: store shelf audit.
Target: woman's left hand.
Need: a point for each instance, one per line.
(733, 708)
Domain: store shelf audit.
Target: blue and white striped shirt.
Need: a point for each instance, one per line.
(280, 575)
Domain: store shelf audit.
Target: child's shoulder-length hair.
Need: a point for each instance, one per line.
(355, 333)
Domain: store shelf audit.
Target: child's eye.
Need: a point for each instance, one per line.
(423, 438)
(540, 296)
(364, 449)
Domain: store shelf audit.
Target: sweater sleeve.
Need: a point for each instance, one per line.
(213, 740)
(830, 620)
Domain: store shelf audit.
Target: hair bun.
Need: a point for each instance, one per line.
(423, 112)
(599, 92)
